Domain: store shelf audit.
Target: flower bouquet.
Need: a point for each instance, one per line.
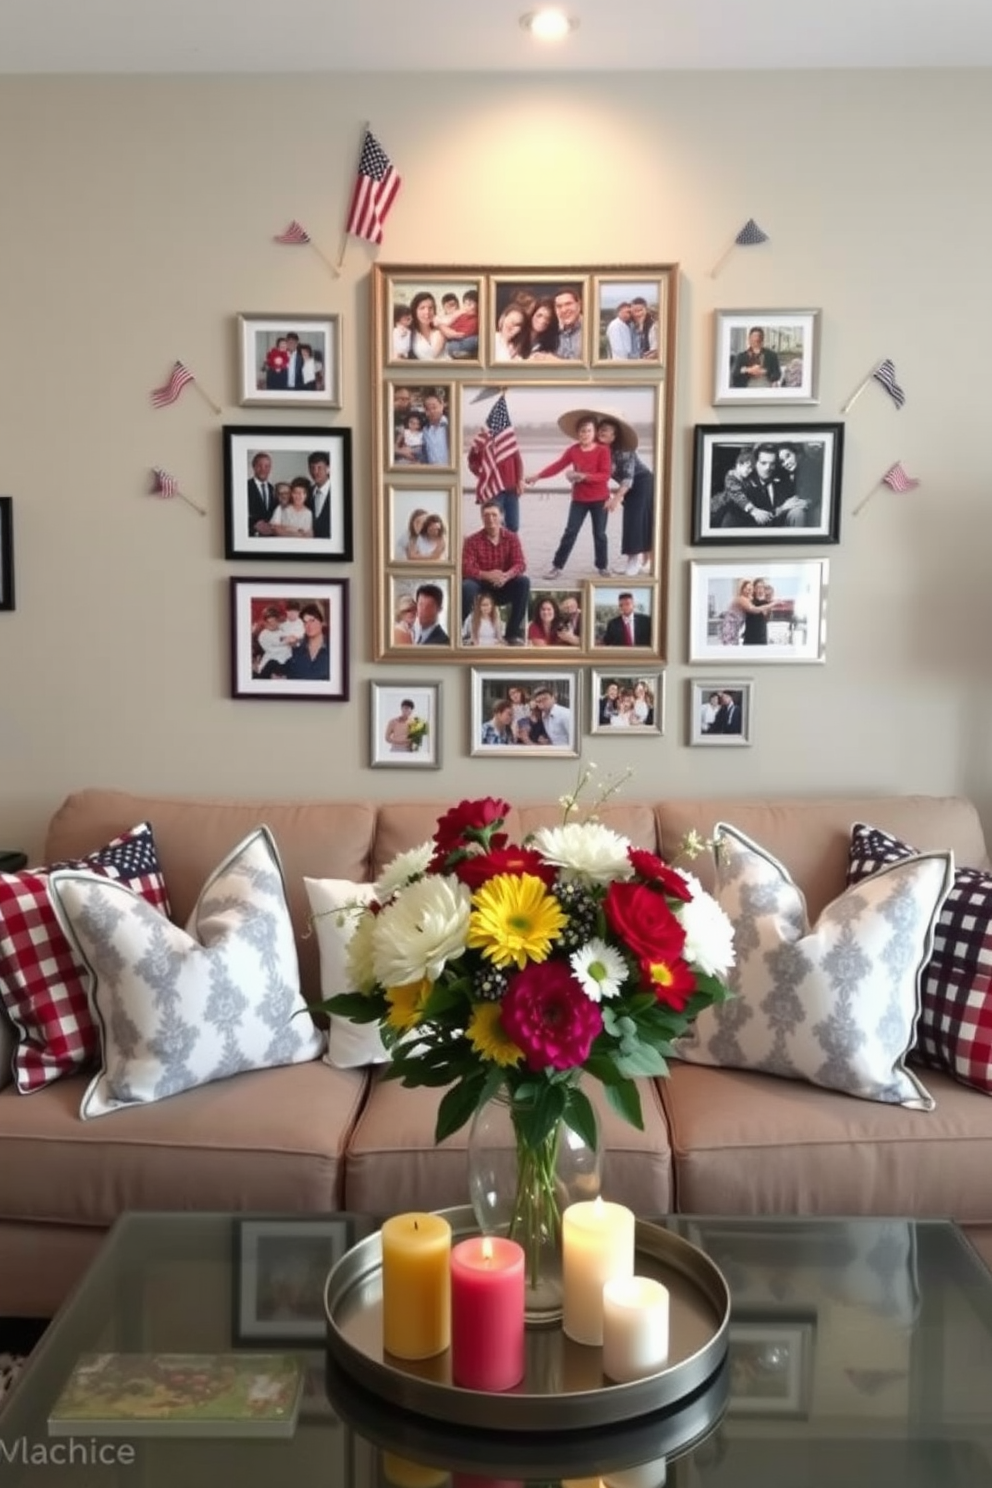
(504, 971)
(417, 730)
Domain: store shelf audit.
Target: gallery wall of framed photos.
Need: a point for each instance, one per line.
(522, 447)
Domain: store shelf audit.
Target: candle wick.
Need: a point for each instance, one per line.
(416, 1225)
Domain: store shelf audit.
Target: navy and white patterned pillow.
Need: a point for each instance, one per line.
(955, 1028)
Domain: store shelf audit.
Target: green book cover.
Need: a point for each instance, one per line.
(131, 1395)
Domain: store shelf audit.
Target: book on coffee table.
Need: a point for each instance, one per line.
(232, 1395)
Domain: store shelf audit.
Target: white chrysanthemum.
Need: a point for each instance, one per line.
(599, 969)
(423, 928)
(358, 954)
(709, 934)
(404, 867)
(585, 850)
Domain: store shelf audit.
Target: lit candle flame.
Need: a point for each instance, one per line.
(486, 1250)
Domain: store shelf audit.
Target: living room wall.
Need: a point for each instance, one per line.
(137, 222)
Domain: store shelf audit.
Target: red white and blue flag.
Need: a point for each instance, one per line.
(375, 191)
(294, 234)
(897, 478)
(885, 373)
(169, 392)
(494, 454)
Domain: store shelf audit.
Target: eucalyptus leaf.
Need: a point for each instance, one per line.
(626, 1101)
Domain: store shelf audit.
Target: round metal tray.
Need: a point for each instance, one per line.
(564, 1387)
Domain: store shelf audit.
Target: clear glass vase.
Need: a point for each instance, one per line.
(520, 1190)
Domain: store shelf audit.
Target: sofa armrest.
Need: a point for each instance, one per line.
(8, 1043)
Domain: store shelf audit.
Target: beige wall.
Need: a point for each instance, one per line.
(137, 221)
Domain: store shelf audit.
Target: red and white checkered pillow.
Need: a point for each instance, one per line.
(42, 984)
(955, 1028)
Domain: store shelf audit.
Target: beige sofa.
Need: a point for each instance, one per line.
(315, 1138)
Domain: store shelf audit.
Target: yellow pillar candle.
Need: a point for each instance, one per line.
(597, 1246)
(405, 1474)
(416, 1291)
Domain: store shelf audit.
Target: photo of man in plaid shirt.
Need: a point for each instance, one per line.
(493, 563)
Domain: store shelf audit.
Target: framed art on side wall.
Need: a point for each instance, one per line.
(289, 639)
(767, 484)
(766, 356)
(514, 715)
(754, 612)
(287, 493)
(574, 463)
(627, 702)
(289, 361)
(6, 552)
(404, 726)
(719, 711)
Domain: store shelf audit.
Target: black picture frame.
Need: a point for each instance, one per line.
(6, 552)
(280, 1267)
(267, 673)
(291, 454)
(721, 486)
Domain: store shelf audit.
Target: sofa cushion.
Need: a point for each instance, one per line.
(811, 836)
(271, 1140)
(179, 1008)
(955, 1028)
(393, 1160)
(350, 1045)
(42, 977)
(745, 1143)
(325, 839)
(835, 1004)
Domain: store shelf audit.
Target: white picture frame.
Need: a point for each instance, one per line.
(782, 368)
(489, 688)
(794, 628)
(396, 712)
(720, 712)
(262, 376)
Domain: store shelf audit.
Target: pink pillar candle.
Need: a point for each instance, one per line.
(487, 1313)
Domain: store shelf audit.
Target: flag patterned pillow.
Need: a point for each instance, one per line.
(955, 1028)
(42, 981)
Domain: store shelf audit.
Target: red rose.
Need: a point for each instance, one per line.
(479, 868)
(656, 870)
(671, 981)
(547, 1015)
(642, 921)
(468, 816)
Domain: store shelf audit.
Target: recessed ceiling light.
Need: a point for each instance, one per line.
(548, 24)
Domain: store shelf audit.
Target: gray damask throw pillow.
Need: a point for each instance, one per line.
(178, 1008)
(835, 1004)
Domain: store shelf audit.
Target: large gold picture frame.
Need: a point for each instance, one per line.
(544, 392)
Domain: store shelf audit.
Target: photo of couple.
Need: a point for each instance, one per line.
(720, 712)
(289, 639)
(775, 613)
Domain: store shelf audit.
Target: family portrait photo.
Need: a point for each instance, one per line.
(6, 552)
(513, 715)
(420, 606)
(766, 356)
(767, 483)
(757, 613)
(290, 361)
(631, 320)
(404, 725)
(287, 493)
(432, 318)
(418, 426)
(539, 318)
(289, 639)
(420, 524)
(719, 712)
(628, 700)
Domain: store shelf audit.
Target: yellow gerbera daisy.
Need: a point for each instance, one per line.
(515, 920)
(488, 1037)
(406, 1004)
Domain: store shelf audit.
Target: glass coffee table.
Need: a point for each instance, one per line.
(860, 1356)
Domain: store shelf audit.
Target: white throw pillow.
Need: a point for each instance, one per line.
(179, 1008)
(836, 1004)
(351, 1045)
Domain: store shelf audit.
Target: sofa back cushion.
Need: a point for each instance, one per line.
(320, 839)
(811, 837)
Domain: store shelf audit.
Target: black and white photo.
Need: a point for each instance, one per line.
(767, 484)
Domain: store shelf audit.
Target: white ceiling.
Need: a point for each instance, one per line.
(80, 36)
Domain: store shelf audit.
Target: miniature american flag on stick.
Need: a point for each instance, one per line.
(296, 235)
(166, 486)
(375, 191)
(178, 379)
(896, 478)
(885, 373)
(749, 236)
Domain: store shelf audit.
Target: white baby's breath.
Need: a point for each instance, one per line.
(709, 934)
(587, 851)
(405, 867)
(599, 969)
(420, 931)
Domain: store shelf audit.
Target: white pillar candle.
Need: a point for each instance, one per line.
(597, 1246)
(645, 1475)
(635, 1328)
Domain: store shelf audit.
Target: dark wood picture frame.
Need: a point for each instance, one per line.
(6, 552)
(270, 672)
(291, 455)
